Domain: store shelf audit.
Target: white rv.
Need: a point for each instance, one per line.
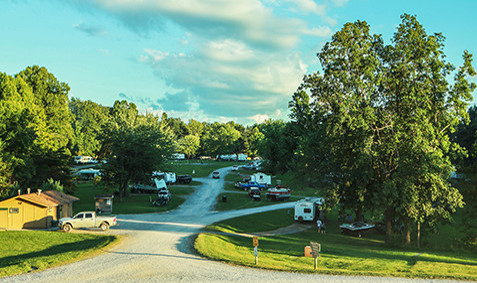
(178, 156)
(84, 159)
(168, 177)
(261, 178)
(242, 157)
(309, 209)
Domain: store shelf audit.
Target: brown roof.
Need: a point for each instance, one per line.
(61, 197)
(49, 198)
(41, 199)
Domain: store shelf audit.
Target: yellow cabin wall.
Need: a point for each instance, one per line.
(29, 215)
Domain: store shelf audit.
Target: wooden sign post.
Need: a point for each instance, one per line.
(315, 251)
(255, 248)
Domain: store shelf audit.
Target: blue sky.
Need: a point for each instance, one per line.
(207, 60)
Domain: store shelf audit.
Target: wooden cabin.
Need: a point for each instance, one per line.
(35, 210)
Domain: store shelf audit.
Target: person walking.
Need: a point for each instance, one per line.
(323, 228)
(318, 223)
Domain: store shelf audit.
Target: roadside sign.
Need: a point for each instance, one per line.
(255, 241)
(315, 251)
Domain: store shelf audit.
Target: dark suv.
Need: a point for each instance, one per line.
(184, 179)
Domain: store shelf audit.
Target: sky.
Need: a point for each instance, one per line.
(207, 60)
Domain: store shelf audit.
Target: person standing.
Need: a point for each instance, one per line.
(318, 223)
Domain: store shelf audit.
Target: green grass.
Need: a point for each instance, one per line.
(131, 204)
(242, 200)
(265, 221)
(37, 250)
(340, 254)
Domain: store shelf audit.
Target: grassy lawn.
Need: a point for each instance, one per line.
(37, 250)
(242, 200)
(139, 203)
(340, 254)
(266, 221)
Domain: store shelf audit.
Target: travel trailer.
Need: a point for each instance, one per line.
(309, 209)
(262, 179)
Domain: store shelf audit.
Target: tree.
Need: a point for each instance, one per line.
(220, 138)
(378, 123)
(89, 120)
(188, 145)
(136, 152)
(52, 98)
(277, 147)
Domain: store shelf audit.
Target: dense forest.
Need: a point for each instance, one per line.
(379, 130)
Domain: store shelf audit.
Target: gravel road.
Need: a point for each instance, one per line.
(157, 247)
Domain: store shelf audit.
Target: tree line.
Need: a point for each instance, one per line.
(42, 129)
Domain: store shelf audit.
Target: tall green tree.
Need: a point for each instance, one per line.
(188, 145)
(136, 152)
(378, 123)
(90, 119)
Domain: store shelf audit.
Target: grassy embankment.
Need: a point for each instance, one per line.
(340, 254)
(37, 250)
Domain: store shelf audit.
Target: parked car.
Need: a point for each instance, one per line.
(249, 185)
(87, 219)
(184, 179)
(216, 175)
(255, 193)
(235, 168)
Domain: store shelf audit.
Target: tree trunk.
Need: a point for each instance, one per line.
(359, 214)
(418, 235)
(389, 217)
(408, 231)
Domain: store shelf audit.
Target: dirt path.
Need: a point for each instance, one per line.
(158, 248)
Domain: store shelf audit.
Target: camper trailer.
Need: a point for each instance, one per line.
(168, 177)
(262, 179)
(309, 209)
(178, 156)
(84, 159)
(153, 187)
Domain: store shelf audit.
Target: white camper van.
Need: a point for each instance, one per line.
(309, 209)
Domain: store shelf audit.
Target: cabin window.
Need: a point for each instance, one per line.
(14, 210)
(307, 210)
(88, 215)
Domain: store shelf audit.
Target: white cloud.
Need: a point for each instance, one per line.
(308, 6)
(319, 31)
(259, 118)
(249, 20)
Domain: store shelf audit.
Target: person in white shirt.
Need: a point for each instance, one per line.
(318, 223)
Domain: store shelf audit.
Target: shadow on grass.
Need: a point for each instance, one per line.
(54, 251)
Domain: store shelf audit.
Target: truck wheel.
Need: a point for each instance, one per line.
(67, 228)
(104, 226)
(300, 219)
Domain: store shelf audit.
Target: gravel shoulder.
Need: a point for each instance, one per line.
(158, 247)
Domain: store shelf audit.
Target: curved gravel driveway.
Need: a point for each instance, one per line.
(157, 247)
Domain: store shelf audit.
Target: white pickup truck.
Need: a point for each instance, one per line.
(87, 219)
